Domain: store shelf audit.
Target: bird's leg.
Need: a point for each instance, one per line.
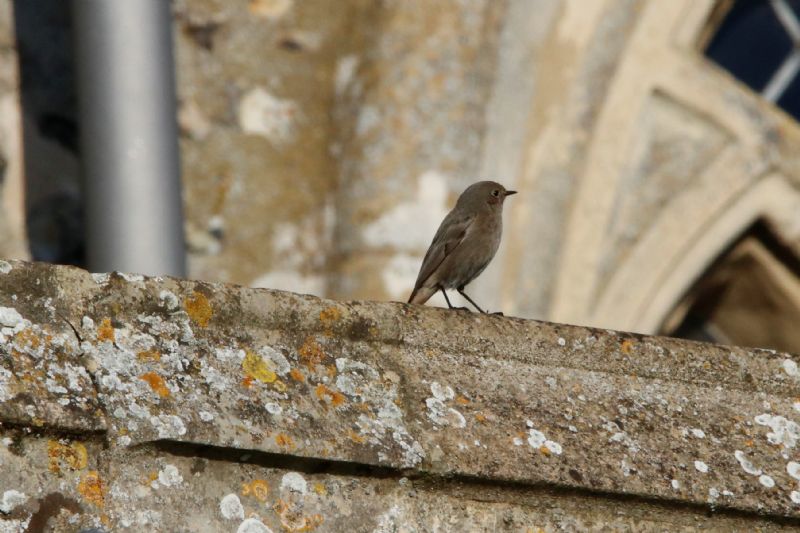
(446, 299)
(464, 294)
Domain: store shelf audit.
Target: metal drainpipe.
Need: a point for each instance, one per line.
(129, 136)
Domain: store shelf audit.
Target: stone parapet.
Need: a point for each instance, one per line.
(129, 402)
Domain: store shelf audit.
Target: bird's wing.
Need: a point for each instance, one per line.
(451, 233)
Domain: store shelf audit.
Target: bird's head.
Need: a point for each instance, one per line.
(482, 194)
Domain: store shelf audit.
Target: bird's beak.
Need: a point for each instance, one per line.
(509, 193)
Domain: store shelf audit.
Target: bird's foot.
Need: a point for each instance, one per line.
(497, 313)
(461, 309)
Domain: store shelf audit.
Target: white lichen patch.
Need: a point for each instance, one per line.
(383, 425)
(443, 393)
(619, 436)
(700, 466)
(101, 278)
(231, 508)
(11, 499)
(131, 278)
(169, 300)
(538, 441)
(11, 322)
(170, 476)
(766, 480)
(391, 521)
(745, 463)
(54, 387)
(226, 353)
(793, 469)
(438, 411)
(562, 341)
(205, 416)
(5, 267)
(261, 113)
(790, 367)
(276, 361)
(294, 482)
(675, 484)
(795, 497)
(273, 408)
(784, 431)
(168, 426)
(215, 379)
(5, 384)
(253, 525)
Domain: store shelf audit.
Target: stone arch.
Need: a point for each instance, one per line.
(771, 198)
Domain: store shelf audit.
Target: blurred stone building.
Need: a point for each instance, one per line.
(323, 142)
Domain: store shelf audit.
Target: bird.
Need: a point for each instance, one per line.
(464, 244)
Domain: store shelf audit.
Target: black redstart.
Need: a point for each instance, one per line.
(464, 244)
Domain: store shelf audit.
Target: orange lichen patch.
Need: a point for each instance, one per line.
(462, 400)
(311, 353)
(152, 476)
(297, 375)
(72, 456)
(749, 443)
(198, 308)
(258, 489)
(247, 382)
(626, 346)
(106, 331)
(27, 338)
(92, 489)
(329, 316)
(156, 383)
(255, 367)
(149, 356)
(544, 450)
(292, 518)
(284, 441)
(355, 437)
(320, 489)
(331, 371)
(336, 398)
(480, 417)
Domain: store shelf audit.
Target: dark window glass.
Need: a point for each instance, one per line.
(790, 101)
(751, 42)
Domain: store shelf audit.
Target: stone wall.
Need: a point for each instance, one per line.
(133, 404)
(13, 243)
(322, 142)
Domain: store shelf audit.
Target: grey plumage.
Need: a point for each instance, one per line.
(465, 243)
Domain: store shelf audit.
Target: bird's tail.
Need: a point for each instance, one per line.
(420, 295)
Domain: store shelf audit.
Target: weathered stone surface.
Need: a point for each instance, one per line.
(157, 368)
(13, 242)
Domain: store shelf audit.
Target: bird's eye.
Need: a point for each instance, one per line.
(495, 193)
